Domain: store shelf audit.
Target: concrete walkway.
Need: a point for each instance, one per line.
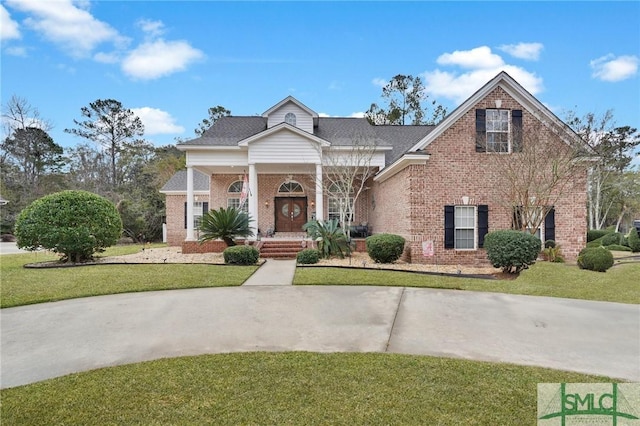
(53, 339)
(273, 272)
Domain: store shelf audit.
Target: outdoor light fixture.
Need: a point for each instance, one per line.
(266, 203)
(313, 203)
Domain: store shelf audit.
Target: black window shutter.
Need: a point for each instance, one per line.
(185, 215)
(516, 124)
(449, 227)
(550, 225)
(517, 218)
(481, 130)
(483, 223)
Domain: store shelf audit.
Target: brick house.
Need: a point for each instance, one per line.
(434, 185)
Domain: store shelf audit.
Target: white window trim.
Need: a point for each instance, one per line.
(475, 229)
(508, 132)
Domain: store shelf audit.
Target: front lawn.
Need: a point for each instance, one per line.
(618, 284)
(294, 388)
(20, 286)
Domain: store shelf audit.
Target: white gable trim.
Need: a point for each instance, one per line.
(308, 110)
(404, 161)
(516, 91)
(283, 127)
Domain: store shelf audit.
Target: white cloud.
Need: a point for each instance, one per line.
(156, 121)
(15, 51)
(528, 51)
(610, 68)
(480, 57)
(159, 58)
(107, 58)
(64, 23)
(9, 28)
(380, 82)
(481, 65)
(153, 29)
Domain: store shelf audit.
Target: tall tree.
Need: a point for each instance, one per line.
(110, 125)
(18, 113)
(215, 113)
(615, 148)
(406, 103)
(35, 153)
(539, 170)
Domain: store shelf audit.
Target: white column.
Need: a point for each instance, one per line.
(319, 193)
(190, 230)
(253, 199)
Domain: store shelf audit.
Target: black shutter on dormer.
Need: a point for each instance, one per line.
(516, 130)
(550, 225)
(481, 130)
(483, 223)
(449, 227)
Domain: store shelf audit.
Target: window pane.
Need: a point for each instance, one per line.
(464, 238)
(236, 187)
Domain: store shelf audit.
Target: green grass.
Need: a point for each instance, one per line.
(618, 284)
(289, 389)
(21, 286)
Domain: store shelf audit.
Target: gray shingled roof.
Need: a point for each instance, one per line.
(230, 130)
(178, 182)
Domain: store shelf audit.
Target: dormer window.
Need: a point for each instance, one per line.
(290, 118)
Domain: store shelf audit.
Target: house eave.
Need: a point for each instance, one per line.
(184, 147)
(400, 164)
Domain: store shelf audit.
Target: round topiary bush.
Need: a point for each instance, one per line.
(75, 224)
(308, 257)
(633, 239)
(595, 259)
(511, 250)
(594, 234)
(613, 238)
(241, 255)
(385, 248)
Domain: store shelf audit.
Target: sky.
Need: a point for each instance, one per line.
(169, 61)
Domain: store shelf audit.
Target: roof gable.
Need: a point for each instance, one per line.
(283, 127)
(293, 100)
(513, 89)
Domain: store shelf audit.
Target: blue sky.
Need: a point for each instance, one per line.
(170, 61)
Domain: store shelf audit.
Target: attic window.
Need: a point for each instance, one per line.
(290, 118)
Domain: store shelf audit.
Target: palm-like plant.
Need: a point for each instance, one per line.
(329, 236)
(225, 224)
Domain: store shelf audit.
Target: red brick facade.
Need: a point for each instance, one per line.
(411, 203)
(445, 169)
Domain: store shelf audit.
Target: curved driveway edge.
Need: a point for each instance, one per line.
(53, 339)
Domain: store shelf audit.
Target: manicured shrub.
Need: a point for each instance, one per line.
(241, 255)
(385, 248)
(511, 250)
(594, 234)
(595, 243)
(633, 239)
(595, 259)
(75, 224)
(612, 238)
(617, 247)
(308, 257)
(549, 244)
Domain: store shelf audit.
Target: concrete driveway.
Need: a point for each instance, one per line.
(53, 339)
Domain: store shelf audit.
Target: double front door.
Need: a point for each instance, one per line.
(291, 213)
